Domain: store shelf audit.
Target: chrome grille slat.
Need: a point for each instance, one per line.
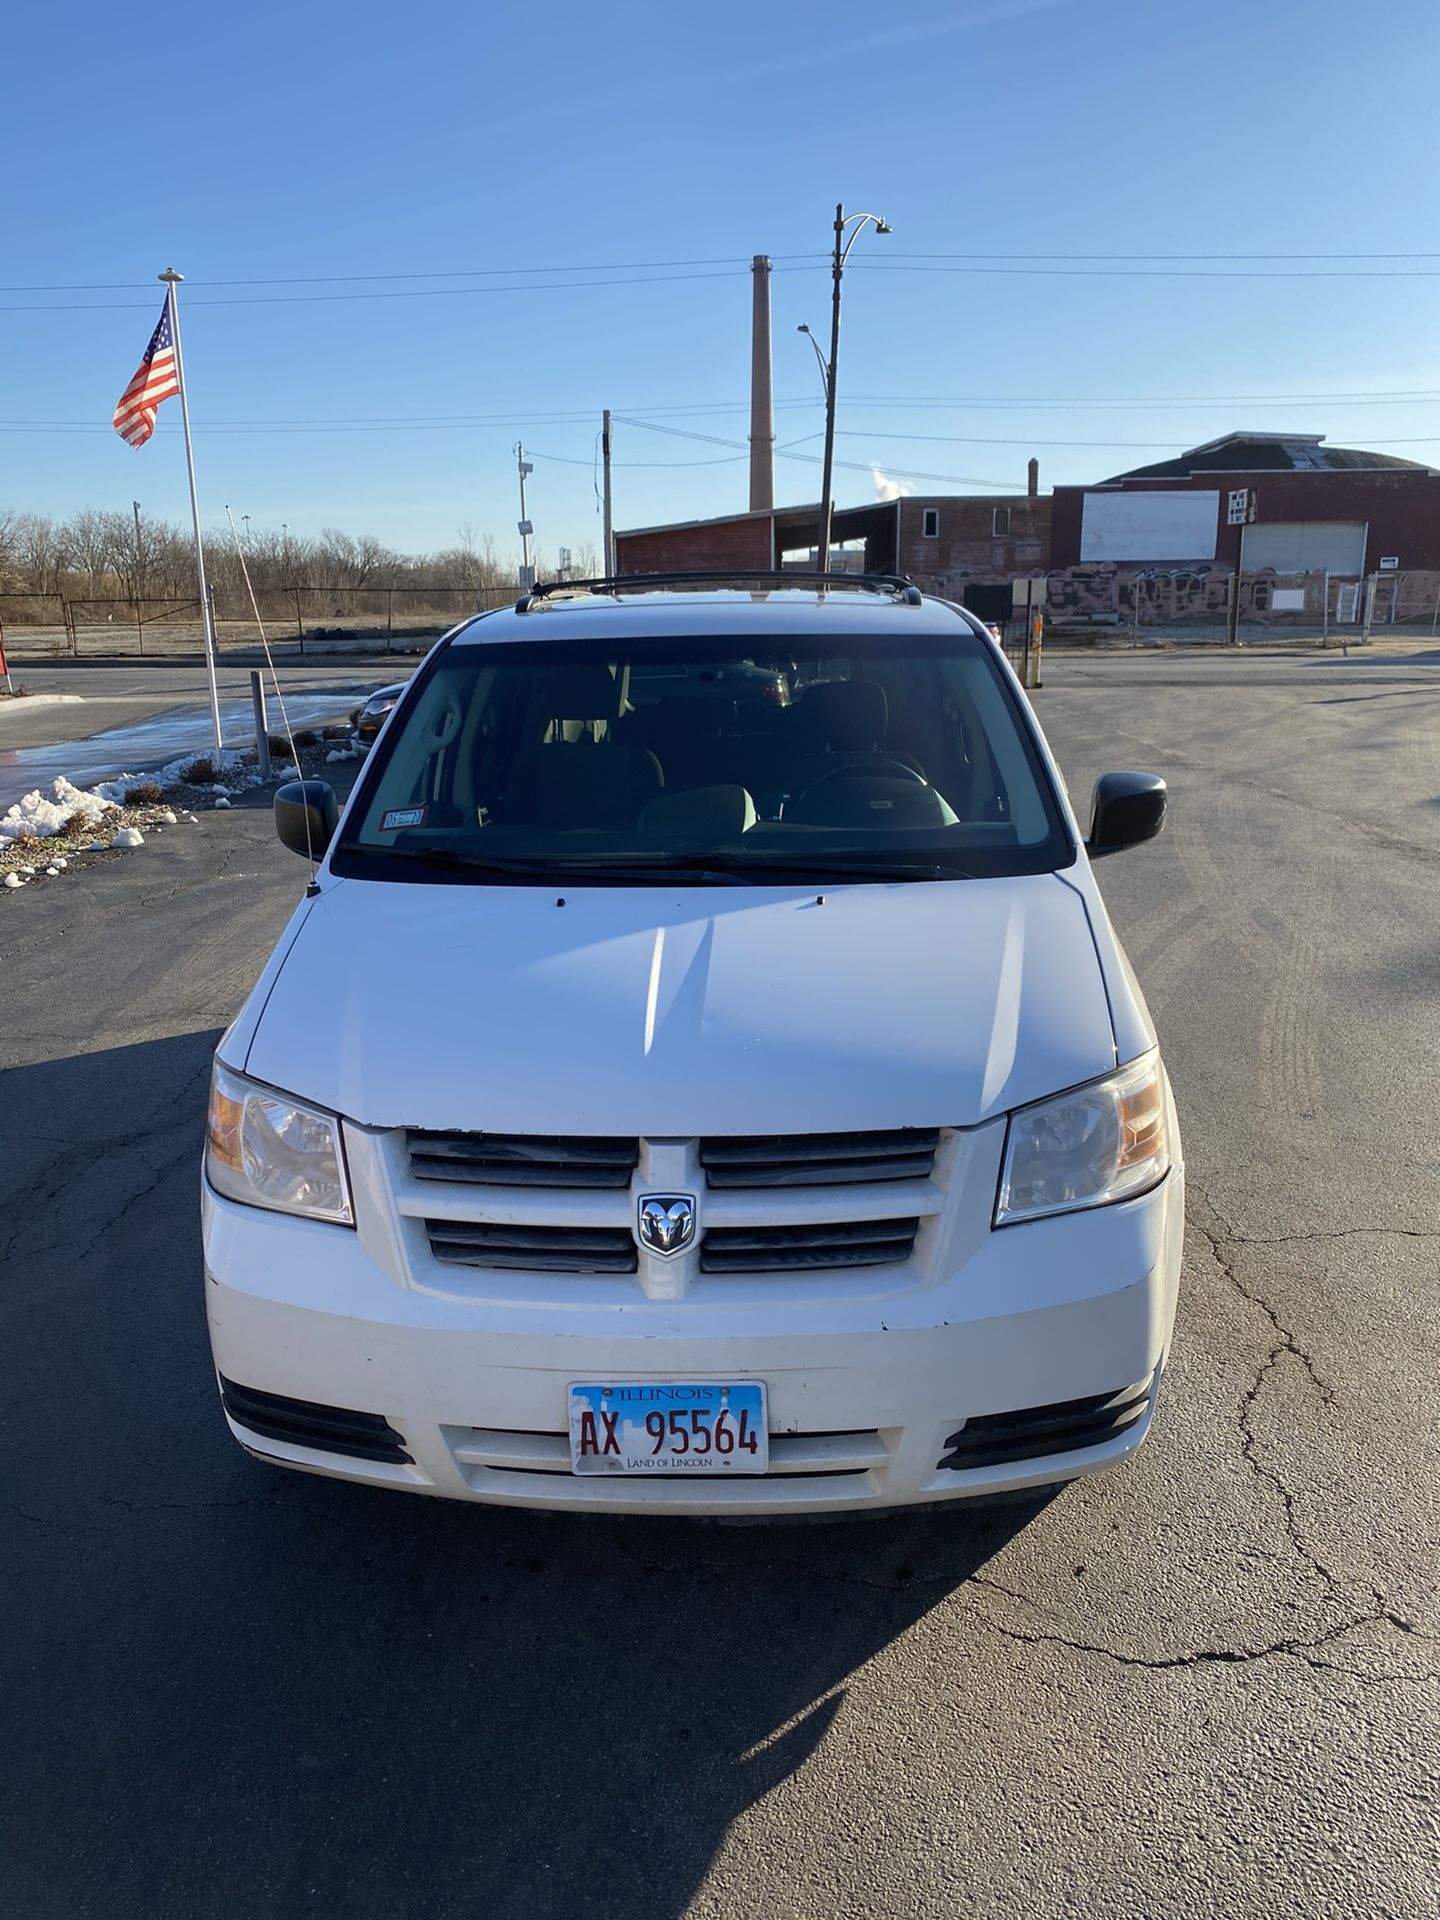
(522, 1160)
(846, 1243)
(818, 1159)
(532, 1249)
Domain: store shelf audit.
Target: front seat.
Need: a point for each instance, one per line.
(580, 776)
(846, 721)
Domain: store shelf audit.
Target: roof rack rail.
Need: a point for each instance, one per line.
(894, 584)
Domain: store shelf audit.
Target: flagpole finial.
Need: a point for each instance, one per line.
(171, 275)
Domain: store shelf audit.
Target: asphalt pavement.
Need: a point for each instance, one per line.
(1203, 1685)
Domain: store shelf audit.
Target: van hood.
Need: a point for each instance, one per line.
(679, 1012)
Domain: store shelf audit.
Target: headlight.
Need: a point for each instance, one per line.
(267, 1150)
(1099, 1143)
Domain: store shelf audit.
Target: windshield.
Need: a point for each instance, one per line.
(709, 760)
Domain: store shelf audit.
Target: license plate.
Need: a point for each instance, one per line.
(669, 1426)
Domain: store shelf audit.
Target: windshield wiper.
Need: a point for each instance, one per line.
(735, 866)
(625, 866)
(821, 868)
(544, 868)
(448, 857)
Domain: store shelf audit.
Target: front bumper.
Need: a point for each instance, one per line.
(867, 1394)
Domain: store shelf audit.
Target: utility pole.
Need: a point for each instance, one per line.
(608, 523)
(828, 477)
(527, 572)
(842, 221)
(762, 406)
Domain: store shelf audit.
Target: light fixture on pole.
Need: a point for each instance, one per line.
(858, 221)
(820, 359)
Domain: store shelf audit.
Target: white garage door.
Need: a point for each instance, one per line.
(1305, 546)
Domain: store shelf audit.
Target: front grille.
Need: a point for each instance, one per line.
(829, 1243)
(819, 1159)
(537, 1249)
(522, 1159)
(305, 1423)
(996, 1439)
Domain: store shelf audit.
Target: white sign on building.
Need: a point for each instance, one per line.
(1156, 525)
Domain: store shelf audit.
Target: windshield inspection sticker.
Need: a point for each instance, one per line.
(402, 817)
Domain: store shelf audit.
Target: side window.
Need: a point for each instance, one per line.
(1000, 523)
(930, 523)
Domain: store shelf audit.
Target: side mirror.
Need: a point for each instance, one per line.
(1127, 808)
(306, 816)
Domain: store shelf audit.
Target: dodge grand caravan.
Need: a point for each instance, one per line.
(681, 1103)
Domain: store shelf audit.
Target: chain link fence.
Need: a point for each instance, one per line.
(297, 619)
(1148, 607)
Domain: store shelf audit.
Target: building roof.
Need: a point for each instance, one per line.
(1267, 453)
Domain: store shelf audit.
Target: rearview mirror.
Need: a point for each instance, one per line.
(306, 815)
(1127, 808)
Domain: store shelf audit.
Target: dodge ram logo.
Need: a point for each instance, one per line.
(667, 1221)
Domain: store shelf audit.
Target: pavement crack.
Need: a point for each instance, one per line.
(1285, 1346)
(1290, 1647)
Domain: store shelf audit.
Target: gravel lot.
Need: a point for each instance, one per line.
(1206, 1685)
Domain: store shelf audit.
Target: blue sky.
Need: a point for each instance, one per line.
(272, 143)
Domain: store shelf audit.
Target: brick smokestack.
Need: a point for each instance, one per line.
(1032, 478)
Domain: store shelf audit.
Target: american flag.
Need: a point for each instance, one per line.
(154, 381)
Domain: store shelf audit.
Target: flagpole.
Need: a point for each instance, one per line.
(172, 280)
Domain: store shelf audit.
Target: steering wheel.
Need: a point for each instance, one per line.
(864, 770)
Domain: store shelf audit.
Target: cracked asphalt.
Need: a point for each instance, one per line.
(1205, 1685)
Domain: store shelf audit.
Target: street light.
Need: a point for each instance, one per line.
(858, 221)
(824, 370)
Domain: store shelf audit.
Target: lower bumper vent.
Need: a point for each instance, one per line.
(997, 1439)
(305, 1423)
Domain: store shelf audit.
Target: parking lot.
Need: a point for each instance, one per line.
(1204, 1685)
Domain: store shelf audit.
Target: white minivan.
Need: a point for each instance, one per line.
(671, 1096)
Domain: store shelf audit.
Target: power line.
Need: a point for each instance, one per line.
(407, 293)
(869, 265)
(1153, 256)
(984, 440)
(814, 459)
(738, 261)
(814, 264)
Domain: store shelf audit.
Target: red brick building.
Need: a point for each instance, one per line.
(1309, 508)
(946, 544)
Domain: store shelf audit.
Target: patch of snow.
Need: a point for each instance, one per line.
(172, 774)
(13, 880)
(62, 864)
(52, 873)
(128, 837)
(168, 819)
(222, 801)
(347, 753)
(43, 817)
